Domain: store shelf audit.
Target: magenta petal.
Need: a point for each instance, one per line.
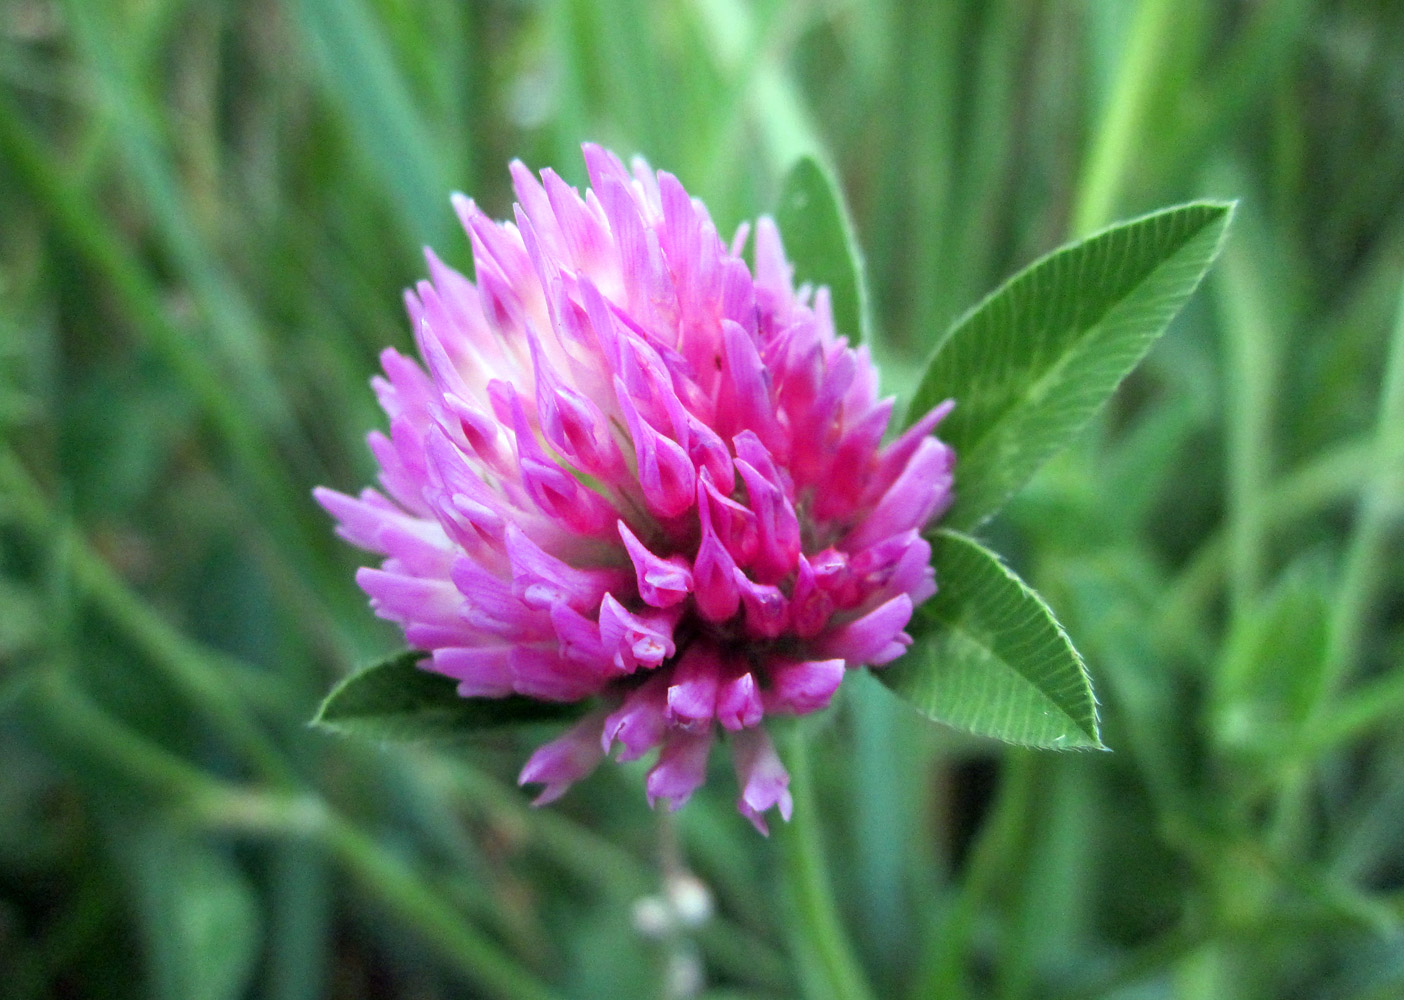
(913, 575)
(735, 525)
(895, 457)
(541, 672)
(708, 452)
(541, 579)
(358, 522)
(666, 474)
(661, 582)
(777, 528)
(739, 703)
(773, 271)
(561, 497)
(556, 493)
(632, 641)
(494, 609)
(579, 637)
(402, 598)
(692, 695)
(639, 723)
(869, 640)
(923, 486)
(585, 237)
(574, 424)
(714, 570)
(745, 402)
(681, 768)
(565, 760)
(810, 606)
(801, 687)
(714, 579)
(481, 671)
(765, 784)
(767, 610)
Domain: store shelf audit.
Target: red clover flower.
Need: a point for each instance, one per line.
(632, 470)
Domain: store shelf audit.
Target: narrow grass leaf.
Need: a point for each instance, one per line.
(197, 912)
(819, 240)
(1031, 363)
(361, 75)
(396, 700)
(990, 658)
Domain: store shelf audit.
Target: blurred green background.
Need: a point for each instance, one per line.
(207, 211)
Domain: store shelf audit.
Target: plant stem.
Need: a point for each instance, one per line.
(811, 890)
(1249, 383)
(1379, 505)
(1000, 836)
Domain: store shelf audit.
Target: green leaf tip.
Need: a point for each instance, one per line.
(1031, 364)
(819, 240)
(990, 658)
(396, 700)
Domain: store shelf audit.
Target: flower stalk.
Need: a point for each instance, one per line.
(822, 941)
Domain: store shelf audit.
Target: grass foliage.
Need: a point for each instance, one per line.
(209, 209)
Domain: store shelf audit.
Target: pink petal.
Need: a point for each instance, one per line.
(631, 641)
(565, 760)
(870, 640)
(692, 695)
(767, 610)
(666, 474)
(765, 784)
(681, 768)
(801, 687)
(541, 579)
(639, 723)
(714, 575)
(739, 703)
(661, 582)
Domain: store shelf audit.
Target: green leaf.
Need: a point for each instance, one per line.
(990, 658)
(1031, 363)
(819, 241)
(397, 700)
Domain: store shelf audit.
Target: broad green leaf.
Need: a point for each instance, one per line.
(819, 241)
(990, 658)
(397, 700)
(1031, 363)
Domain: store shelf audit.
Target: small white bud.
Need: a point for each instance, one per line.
(653, 917)
(690, 898)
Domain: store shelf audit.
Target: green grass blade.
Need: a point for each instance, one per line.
(361, 76)
(198, 914)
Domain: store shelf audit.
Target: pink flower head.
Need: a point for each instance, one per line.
(633, 470)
